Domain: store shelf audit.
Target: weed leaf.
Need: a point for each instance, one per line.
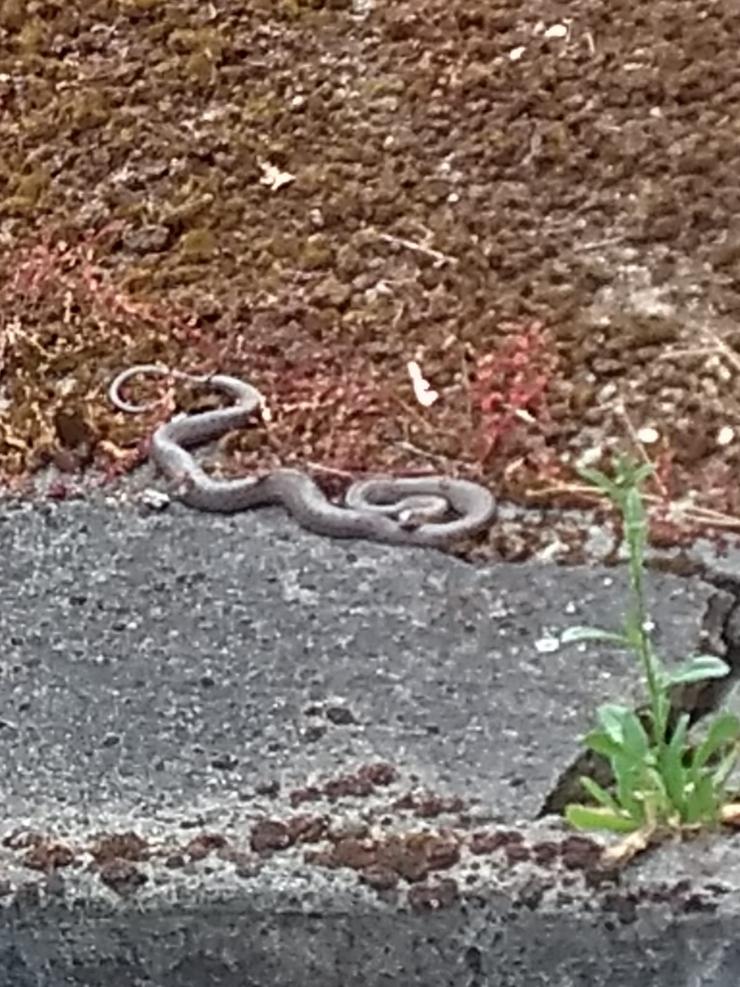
(599, 817)
(696, 669)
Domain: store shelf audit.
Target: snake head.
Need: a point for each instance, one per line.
(411, 519)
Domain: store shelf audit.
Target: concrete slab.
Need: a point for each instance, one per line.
(521, 924)
(156, 661)
(237, 753)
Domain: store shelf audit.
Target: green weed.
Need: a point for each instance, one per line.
(660, 778)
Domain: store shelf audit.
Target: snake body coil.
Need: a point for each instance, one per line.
(394, 510)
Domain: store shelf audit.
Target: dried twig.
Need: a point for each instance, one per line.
(609, 241)
(721, 347)
(640, 446)
(414, 413)
(718, 347)
(689, 512)
(331, 470)
(436, 255)
(465, 372)
(589, 39)
(417, 451)
(694, 351)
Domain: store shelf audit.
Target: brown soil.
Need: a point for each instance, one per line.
(535, 201)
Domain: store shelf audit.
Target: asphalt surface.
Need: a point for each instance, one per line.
(171, 675)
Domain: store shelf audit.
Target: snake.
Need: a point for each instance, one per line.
(429, 511)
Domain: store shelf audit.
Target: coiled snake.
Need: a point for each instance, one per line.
(394, 510)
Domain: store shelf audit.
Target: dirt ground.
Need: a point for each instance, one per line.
(536, 202)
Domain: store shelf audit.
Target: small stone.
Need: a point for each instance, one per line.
(380, 773)
(269, 835)
(340, 715)
(429, 806)
(121, 875)
(380, 878)
(407, 856)
(348, 786)
(545, 853)
(155, 500)
(119, 846)
(354, 853)
(580, 852)
(517, 853)
(21, 839)
(314, 732)
(269, 788)
(307, 829)
(147, 239)
(49, 856)
(430, 897)
(308, 794)
(224, 762)
(201, 846)
(441, 851)
(331, 292)
(486, 842)
(345, 829)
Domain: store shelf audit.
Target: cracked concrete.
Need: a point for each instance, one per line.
(238, 753)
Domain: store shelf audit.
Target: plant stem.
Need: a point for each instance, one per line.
(636, 530)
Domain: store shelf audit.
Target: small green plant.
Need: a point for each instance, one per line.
(660, 779)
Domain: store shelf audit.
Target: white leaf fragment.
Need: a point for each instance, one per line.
(547, 644)
(725, 435)
(273, 177)
(589, 457)
(557, 31)
(423, 391)
(648, 435)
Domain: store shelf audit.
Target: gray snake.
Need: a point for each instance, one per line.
(389, 509)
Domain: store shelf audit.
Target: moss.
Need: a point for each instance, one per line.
(291, 8)
(140, 6)
(653, 331)
(12, 14)
(31, 187)
(383, 86)
(188, 211)
(32, 36)
(294, 8)
(186, 41)
(198, 245)
(284, 246)
(88, 110)
(316, 253)
(261, 108)
(200, 67)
